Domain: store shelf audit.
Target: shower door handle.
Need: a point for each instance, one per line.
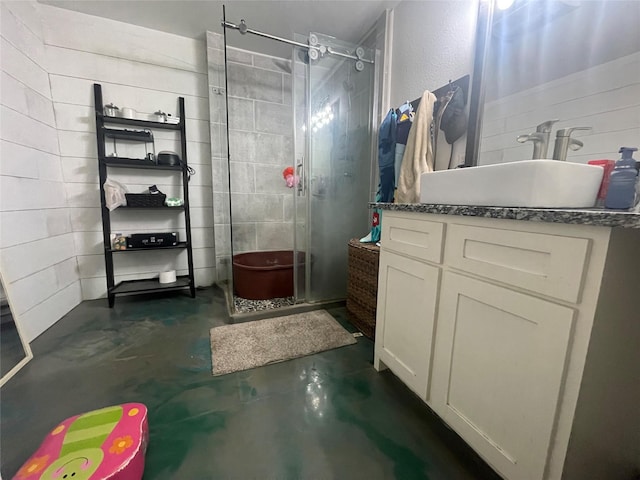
(301, 177)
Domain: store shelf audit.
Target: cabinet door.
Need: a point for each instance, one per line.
(407, 296)
(499, 360)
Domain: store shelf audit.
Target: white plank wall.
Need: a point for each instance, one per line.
(37, 255)
(605, 97)
(146, 70)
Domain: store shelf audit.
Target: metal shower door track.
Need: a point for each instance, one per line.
(322, 49)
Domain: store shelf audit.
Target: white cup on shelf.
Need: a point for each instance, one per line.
(127, 112)
(168, 277)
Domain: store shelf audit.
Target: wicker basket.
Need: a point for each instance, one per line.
(362, 289)
(145, 200)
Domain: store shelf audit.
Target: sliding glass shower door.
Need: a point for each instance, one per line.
(333, 88)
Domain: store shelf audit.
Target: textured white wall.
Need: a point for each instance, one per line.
(146, 70)
(37, 255)
(433, 42)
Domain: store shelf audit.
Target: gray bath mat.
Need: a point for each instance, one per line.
(253, 344)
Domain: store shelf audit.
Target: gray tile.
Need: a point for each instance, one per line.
(223, 263)
(277, 149)
(286, 89)
(254, 83)
(239, 56)
(242, 146)
(274, 118)
(222, 239)
(242, 177)
(272, 63)
(261, 148)
(300, 203)
(221, 208)
(215, 76)
(215, 67)
(288, 207)
(301, 236)
(275, 236)
(300, 87)
(220, 175)
(217, 106)
(269, 179)
(241, 114)
(256, 207)
(244, 237)
(218, 140)
(214, 40)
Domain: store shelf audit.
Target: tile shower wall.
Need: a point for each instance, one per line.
(260, 147)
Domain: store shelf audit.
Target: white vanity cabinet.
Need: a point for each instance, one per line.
(490, 322)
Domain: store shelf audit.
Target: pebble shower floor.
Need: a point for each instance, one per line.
(243, 305)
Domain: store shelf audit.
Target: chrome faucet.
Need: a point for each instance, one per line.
(564, 142)
(540, 139)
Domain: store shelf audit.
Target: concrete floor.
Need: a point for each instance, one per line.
(11, 349)
(324, 416)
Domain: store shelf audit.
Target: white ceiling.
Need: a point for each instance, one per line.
(346, 20)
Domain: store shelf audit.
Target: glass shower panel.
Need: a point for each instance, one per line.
(300, 77)
(338, 167)
(219, 162)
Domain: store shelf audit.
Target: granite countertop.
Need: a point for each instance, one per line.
(586, 216)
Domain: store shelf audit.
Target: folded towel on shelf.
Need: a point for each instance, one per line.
(418, 156)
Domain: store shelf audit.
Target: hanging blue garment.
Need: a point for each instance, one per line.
(387, 155)
(386, 164)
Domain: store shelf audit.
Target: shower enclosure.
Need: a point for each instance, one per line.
(292, 177)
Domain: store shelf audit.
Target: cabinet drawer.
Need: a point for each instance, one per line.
(548, 264)
(415, 237)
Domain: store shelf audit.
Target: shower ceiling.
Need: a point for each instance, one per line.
(346, 20)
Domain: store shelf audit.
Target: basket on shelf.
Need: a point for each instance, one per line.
(362, 289)
(145, 200)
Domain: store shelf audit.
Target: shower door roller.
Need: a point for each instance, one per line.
(359, 66)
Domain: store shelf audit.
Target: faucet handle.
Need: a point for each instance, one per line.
(566, 132)
(575, 144)
(545, 127)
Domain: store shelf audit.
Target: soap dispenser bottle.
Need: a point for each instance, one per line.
(622, 182)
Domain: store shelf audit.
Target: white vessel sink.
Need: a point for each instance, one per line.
(528, 183)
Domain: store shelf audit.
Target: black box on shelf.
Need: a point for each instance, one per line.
(150, 240)
(145, 200)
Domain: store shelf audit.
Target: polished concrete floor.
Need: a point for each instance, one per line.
(325, 416)
(11, 349)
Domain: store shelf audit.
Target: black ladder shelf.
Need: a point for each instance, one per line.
(149, 285)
